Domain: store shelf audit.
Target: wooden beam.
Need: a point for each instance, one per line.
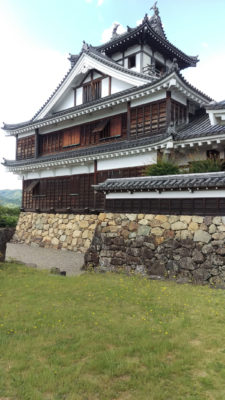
(128, 120)
(36, 153)
(95, 180)
(168, 108)
(110, 85)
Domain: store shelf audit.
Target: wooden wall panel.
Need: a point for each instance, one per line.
(201, 206)
(70, 193)
(25, 148)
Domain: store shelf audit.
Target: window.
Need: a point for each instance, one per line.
(92, 91)
(159, 68)
(71, 137)
(132, 61)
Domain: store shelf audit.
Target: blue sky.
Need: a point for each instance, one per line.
(38, 35)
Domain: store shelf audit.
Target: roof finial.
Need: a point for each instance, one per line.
(85, 46)
(155, 21)
(155, 8)
(114, 32)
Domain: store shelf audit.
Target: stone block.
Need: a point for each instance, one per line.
(143, 222)
(185, 218)
(77, 234)
(197, 219)
(187, 263)
(186, 234)
(83, 224)
(161, 218)
(207, 249)
(143, 230)
(212, 228)
(173, 218)
(217, 221)
(197, 256)
(55, 241)
(202, 236)
(178, 226)
(193, 226)
(221, 251)
(157, 231)
(133, 226)
(132, 217)
(166, 225)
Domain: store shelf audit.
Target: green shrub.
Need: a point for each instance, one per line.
(208, 165)
(8, 216)
(163, 167)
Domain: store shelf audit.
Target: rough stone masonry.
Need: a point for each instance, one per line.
(188, 248)
(6, 235)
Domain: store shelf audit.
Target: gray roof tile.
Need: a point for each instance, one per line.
(169, 182)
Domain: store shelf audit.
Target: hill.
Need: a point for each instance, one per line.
(10, 198)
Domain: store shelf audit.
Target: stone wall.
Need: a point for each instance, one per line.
(185, 248)
(58, 231)
(6, 235)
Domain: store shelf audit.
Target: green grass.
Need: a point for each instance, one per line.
(108, 336)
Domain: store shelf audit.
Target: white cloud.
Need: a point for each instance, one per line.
(28, 76)
(100, 2)
(208, 75)
(107, 33)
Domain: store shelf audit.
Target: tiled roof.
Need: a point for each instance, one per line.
(220, 105)
(90, 151)
(200, 127)
(102, 100)
(160, 183)
(146, 28)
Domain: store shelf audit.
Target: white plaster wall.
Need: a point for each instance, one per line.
(118, 85)
(105, 87)
(117, 56)
(167, 195)
(146, 60)
(79, 96)
(131, 50)
(179, 97)
(126, 63)
(147, 48)
(138, 63)
(54, 172)
(87, 79)
(96, 75)
(128, 161)
(66, 102)
(148, 99)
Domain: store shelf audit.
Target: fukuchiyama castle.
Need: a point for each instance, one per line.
(121, 106)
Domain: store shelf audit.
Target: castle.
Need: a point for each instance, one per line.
(120, 107)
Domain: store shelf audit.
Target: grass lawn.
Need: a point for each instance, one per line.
(108, 336)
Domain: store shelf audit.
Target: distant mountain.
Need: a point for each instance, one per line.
(11, 198)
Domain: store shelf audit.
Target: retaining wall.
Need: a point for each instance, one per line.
(6, 235)
(186, 248)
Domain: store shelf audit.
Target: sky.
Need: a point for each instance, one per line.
(38, 35)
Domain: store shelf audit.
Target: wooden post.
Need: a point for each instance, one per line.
(110, 85)
(16, 145)
(187, 112)
(36, 153)
(95, 180)
(128, 120)
(168, 108)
